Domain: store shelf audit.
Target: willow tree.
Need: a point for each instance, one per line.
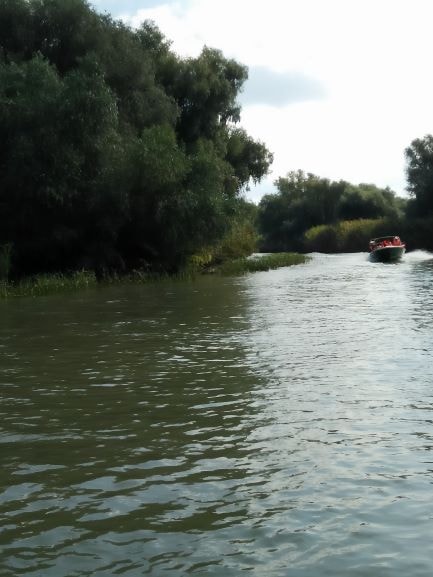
(114, 151)
(419, 172)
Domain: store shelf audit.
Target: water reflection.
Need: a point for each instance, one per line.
(276, 424)
(121, 412)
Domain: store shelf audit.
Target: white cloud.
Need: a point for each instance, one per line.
(265, 86)
(372, 57)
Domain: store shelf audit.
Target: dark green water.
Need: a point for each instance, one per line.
(277, 424)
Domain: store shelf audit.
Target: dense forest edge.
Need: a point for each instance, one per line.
(116, 154)
(120, 159)
(313, 214)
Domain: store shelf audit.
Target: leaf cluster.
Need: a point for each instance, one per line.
(419, 172)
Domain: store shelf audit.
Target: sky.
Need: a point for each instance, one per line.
(338, 88)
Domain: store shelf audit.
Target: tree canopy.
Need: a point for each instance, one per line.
(419, 171)
(114, 151)
(305, 200)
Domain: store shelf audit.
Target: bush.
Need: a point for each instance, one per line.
(418, 233)
(240, 241)
(354, 235)
(348, 235)
(321, 238)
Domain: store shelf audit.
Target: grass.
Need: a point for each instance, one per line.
(262, 263)
(47, 284)
(56, 283)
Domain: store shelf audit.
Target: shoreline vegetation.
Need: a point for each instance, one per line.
(256, 263)
(143, 162)
(313, 214)
(47, 284)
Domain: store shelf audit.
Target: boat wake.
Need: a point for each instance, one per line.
(418, 256)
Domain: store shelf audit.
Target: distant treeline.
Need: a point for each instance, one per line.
(309, 213)
(115, 153)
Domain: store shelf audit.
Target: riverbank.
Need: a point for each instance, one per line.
(57, 283)
(47, 284)
(260, 262)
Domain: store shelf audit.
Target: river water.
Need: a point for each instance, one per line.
(275, 424)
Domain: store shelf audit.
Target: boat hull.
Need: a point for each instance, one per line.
(387, 254)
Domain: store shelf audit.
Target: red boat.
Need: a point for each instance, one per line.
(386, 249)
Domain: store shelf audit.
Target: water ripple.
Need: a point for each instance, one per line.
(275, 424)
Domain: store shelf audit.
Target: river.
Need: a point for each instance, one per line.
(274, 424)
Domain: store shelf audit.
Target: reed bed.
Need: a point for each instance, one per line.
(47, 284)
(262, 262)
(57, 283)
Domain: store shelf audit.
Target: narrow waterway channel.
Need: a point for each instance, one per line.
(275, 424)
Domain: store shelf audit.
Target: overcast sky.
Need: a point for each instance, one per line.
(337, 87)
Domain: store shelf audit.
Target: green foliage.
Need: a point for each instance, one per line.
(63, 31)
(322, 238)
(15, 29)
(206, 89)
(345, 236)
(275, 225)
(305, 202)
(200, 261)
(40, 285)
(418, 225)
(355, 235)
(242, 238)
(419, 170)
(5, 261)
(114, 152)
(417, 232)
(250, 159)
(368, 201)
(58, 137)
(261, 263)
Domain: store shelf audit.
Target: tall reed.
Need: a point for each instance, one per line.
(47, 284)
(262, 263)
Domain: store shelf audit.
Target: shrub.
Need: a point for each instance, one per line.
(321, 238)
(348, 235)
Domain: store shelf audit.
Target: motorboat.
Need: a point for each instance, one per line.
(386, 249)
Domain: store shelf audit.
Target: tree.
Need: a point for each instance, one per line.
(369, 201)
(419, 172)
(55, 141)
(31, 174)
(15, 29)
(250, 159)
(157, 171)
(304, 201)
(205, 90)
(114, 152)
